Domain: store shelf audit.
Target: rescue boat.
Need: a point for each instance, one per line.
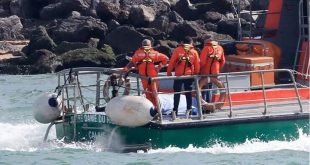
(253, 98)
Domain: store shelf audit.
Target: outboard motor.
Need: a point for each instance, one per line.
(47, 108)
(130, 111)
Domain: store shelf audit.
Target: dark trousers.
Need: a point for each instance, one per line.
(177, 86)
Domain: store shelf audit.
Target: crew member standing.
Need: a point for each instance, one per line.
(144, 60)
(184, 61)
(212, 60)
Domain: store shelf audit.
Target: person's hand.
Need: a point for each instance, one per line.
(125, 69)
(158, 68)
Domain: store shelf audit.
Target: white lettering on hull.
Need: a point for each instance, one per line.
(91, 118)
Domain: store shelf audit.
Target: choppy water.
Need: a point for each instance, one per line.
(21, 138)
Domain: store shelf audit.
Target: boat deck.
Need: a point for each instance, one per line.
(276, 110)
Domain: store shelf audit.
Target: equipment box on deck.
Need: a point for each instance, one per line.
(252, 63)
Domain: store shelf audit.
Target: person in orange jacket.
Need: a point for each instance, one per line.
(144, 60)
(184, 61)
(212, 60)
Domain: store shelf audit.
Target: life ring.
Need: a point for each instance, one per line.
(218, 104)
(118, 82)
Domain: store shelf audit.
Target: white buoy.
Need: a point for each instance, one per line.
(130, 111)
(47, 108)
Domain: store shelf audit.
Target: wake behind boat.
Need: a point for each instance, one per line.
(257, 100)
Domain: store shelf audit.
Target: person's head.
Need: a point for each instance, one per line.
(187, 43)
(187, 40)
(207, 38)
(146, 43)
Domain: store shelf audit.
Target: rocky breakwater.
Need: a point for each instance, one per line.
(75, 33)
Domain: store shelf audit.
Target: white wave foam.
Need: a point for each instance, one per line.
(250, 146)
(22, 137)
(29, 137)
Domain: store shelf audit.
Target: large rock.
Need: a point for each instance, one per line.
(4, 12)
(141, 15)
(39, 62)
(159, 6)
(39, 40)
(230, 27)
(15, 69)
(152, 32)
(30, 25)
(28, 8)
(15, 7)
(78, 29)
(10, 28)
(86, 57)
(221, 6)
(165, 46)
(124, 39)
(108, 9)
(43, 61)
(63, 8)
(65, 46)
(5, 2)
(211, 26)
(6, 47)
(113, 24)
(186, 10)
(213, 17)
(218, 37)
(123, 17)
(5, 8)
(193, 29)
(175, 17)
(163, 22)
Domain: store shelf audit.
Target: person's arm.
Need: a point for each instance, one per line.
(132, 63)
(172, 63)
(163, 59)
(223, 60)
(203, 57)
(128, 66)
(196, 63)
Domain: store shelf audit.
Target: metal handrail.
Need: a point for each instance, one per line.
(242, 73)
(197, 90)
(229, 97)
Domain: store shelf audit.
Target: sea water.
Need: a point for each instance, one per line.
(21, 138)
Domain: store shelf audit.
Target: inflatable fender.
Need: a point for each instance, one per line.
(47, 108)
(130, 111)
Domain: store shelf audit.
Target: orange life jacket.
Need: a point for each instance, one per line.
(184, 61)
(145, 59)
(212, 58)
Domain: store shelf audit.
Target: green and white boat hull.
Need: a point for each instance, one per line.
(182, 134)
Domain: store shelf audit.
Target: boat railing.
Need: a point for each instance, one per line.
(263, 87)
(73, 92)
